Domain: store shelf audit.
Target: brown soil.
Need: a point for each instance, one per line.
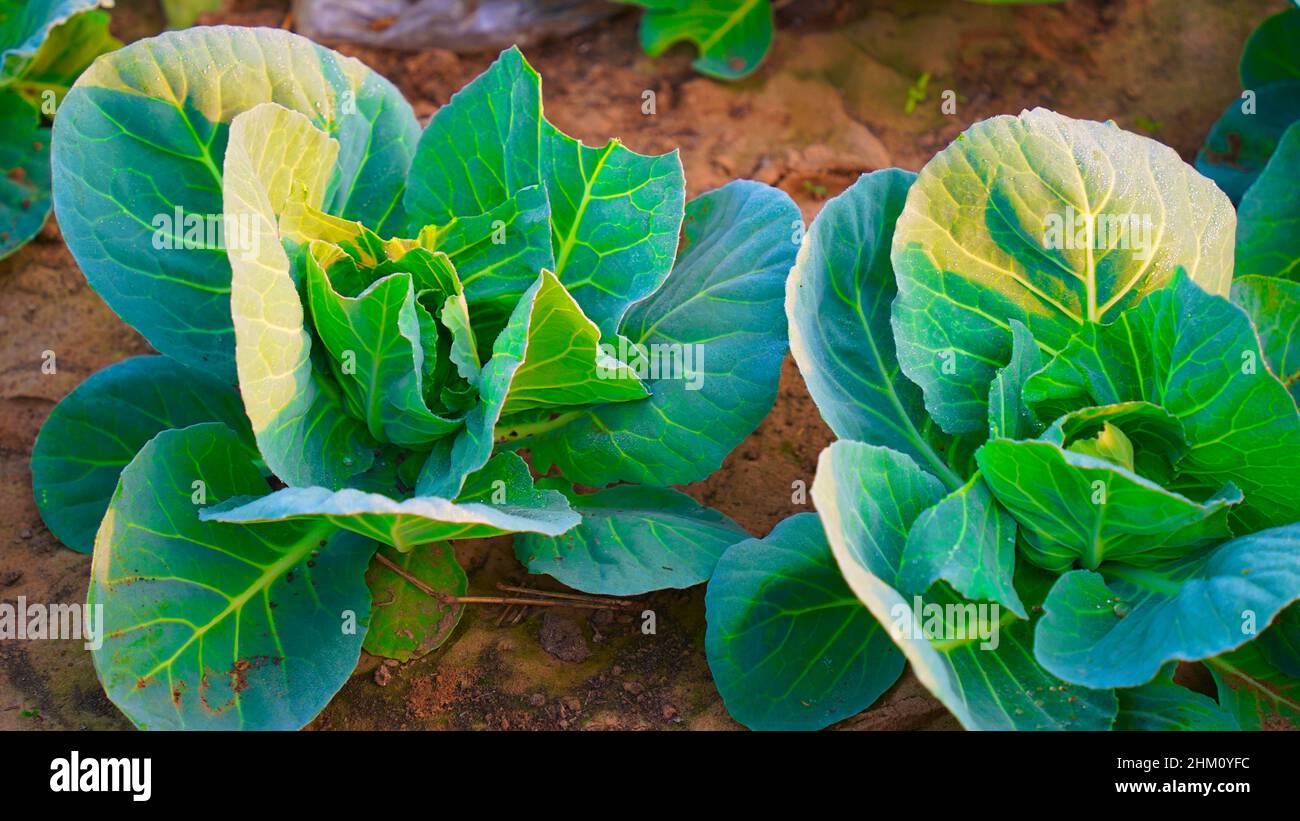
(827, 105)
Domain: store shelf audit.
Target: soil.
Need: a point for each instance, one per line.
(826, 106)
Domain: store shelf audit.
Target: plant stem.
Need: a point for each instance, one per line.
(555, 600)
(571, 596)
(531, 602)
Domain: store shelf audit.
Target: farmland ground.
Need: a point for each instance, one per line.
(827, 105)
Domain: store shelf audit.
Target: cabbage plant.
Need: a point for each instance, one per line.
(732, 36)
(44, 45)
(1243, 139)
(1067, 455)
(364, 326)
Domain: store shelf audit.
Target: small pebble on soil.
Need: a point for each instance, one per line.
(562, 637)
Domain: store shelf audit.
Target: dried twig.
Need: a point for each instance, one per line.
(554, 601)
(589, 605)
(511, 588)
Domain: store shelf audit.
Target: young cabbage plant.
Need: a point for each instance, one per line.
(1066, 460)
(732, 36)
(44, 45)
(1259, 171)
(184, 13)
(1246, 135)
(362, 324)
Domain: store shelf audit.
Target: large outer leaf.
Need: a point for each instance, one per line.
(733, 36)
(789, 645)
(1274, 309)
(871, 526)
(1260, 696)
(215, 626)
(1280, 643)
(724, 297)
(1189, 352)
(1119, 629)
(277, 160)
(24, 172)
(144, 132)
(1268, 221)
(410, 522)
(633, 539)
(868, 497)
(1270, 53)
(1073, 507)
(98, 428)
(1240, 143)
(615, 218)
(970, 246)
(837, 302)
(1162, 705)
(406, 622)
(562, 365)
